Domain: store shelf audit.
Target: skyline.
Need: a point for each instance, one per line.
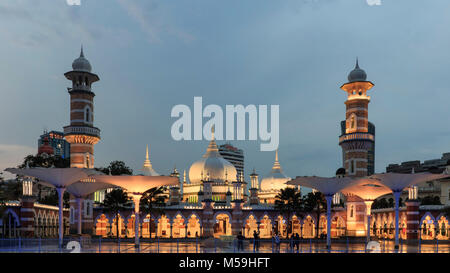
(260, 57)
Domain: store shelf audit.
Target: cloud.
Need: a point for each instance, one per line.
(12, 156)
(374, 2)
(153, 27)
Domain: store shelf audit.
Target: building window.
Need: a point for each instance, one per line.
(87, 115)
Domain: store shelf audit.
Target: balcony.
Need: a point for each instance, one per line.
(356, 136)
(82, 130)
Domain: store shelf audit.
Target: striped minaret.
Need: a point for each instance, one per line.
(358, 135)
(357, 141)
(81, 133)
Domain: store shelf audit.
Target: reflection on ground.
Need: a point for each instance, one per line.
(218, 246)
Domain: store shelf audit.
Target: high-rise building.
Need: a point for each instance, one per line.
(81, 133)
(357, 138)
(234, 155)
(56, 140)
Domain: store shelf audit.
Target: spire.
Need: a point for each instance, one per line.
(82, 53)
(212, 150)
(184, 176)
(276, 164)
(357, 65)
(147, 167)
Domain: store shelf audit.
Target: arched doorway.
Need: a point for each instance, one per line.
(250, 226)
(308, 230)
(323, 226)
(281, 226)
(222, 226)
(295, 226)
(163, 227)
(102, 226)
(265, 228)
(427, 228)
(337, 227)
(178, 227)
(148, 227)
(10, 225)
(443, 229)
(118, 226)
(194, 228)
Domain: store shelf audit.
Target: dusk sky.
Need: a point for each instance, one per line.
(152, 55)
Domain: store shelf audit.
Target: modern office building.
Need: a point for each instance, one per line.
(56, 140)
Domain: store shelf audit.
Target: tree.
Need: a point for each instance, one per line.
(45, 161)
(52, 199)
(288, 200)
(114, 201)
(152, 201)
(315, 202)
(116, 168)
(430, 200)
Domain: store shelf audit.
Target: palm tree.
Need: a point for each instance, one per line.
(152, 201)
(315, 202)
(114, 201)
(288, 200)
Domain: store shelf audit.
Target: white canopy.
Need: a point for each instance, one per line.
(326, 185)
(399, 181)
(56, 177)
(137, 184)
(82, 189)
(367, 189)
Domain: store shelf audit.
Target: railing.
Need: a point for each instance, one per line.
(356, 136)
(82, 130)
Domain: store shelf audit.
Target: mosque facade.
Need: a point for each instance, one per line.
(211, 198)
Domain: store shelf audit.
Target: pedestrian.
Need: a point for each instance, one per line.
(240, 240)
(277, 243)
(297, 241)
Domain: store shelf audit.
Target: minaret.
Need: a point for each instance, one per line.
(357, 133)
(254, 200)
(81, 133)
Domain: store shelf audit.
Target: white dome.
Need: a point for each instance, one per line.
(276, 179)
(213, 165)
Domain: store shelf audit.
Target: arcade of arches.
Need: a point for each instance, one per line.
(180, 226)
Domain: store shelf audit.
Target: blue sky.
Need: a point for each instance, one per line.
(152, 55)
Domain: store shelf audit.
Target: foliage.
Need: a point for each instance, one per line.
(116, 168)
(430, 200)
(114, 201)
(315, 202)
(152, 201)
(52, 199)
(45, 161)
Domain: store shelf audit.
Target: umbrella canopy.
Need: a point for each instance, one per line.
(367, 189)
(81, 189)
(137, 184)
(399, 181)
(326, 185)
(56, 177)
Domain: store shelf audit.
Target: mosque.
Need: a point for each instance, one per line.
(212, 199)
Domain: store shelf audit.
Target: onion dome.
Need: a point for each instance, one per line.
(45, 147)
(147, 168)
(357, 74)
(213, 164)
(81, 64)
(276, 179)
